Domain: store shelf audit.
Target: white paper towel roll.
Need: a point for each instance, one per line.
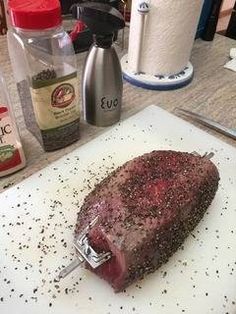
(168, 36)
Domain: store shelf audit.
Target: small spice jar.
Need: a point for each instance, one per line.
(45, 70)
(12, 156)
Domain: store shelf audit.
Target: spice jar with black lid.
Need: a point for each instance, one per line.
(45, 70)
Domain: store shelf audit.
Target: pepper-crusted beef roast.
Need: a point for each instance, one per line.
(146, 209)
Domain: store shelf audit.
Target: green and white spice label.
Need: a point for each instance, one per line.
(55, 101)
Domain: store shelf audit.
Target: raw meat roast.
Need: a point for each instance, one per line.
(146, 209)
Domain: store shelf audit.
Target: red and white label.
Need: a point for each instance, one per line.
(9, 153)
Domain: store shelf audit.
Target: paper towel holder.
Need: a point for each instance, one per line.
(156, 81)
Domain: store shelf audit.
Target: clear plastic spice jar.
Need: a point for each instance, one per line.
(12, 156)
(45, 70)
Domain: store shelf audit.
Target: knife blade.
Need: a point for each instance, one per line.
(208, 122)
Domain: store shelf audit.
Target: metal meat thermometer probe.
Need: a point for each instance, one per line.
(85, 253)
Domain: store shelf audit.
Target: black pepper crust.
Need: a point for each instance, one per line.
(146, 209)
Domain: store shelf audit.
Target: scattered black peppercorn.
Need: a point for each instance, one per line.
(45, 75)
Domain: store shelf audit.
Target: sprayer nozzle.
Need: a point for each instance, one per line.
(100, 18)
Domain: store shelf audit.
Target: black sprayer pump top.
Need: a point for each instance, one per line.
(101, 18)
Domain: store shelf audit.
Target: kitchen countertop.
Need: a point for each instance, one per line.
(212, 93)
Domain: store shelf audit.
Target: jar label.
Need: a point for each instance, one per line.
(9, 153)
(55, 101)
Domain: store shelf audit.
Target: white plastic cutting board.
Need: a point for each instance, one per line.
(37, 220)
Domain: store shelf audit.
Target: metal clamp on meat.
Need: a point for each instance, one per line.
(85, 253)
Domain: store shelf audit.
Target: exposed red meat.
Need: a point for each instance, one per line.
(146, 209)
